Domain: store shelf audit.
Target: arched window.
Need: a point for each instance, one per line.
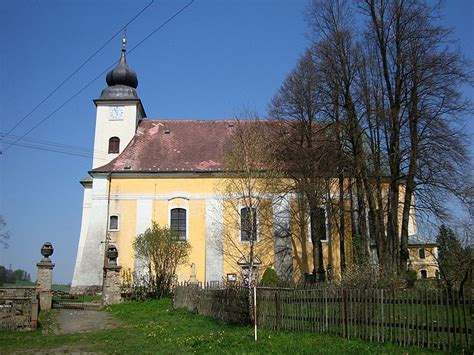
(423, 274)
(178, 222)
(114, 145)
(113, 223)
(421, 253)
(248, 223)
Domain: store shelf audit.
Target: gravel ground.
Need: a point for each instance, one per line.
(78, 321)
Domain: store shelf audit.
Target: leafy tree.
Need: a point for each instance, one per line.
(455, 261)
(161, 251)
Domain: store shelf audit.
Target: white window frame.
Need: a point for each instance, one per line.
(257, 211)
(118, 223)
(308, 231)
(421, 277)
(172, 207)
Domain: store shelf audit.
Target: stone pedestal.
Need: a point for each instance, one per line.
(111, 288)
(43, 285)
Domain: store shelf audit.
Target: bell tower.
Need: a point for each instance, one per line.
(119, 110)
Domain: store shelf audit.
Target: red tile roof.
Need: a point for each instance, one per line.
(174, 145)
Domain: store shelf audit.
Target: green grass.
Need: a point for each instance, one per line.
(63, 288)
(153, 327)
(79, 298)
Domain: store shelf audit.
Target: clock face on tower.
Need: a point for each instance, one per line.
(116, 112)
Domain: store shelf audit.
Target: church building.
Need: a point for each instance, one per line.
(169, 172)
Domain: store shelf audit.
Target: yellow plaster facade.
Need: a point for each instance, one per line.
(423, 260)
(191, 193)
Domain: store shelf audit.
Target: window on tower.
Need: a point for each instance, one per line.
(114, 145)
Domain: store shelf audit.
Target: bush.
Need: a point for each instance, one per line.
(410, 277)
(270, 278)
(160, 249)
(369, 276)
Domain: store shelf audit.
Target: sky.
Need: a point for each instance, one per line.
(208, 63)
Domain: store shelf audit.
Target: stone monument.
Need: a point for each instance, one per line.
(45, 277)
(193, 279)
(111, 289)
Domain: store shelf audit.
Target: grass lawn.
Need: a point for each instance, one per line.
(153, 327)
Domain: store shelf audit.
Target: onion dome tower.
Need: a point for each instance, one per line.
(119, 111)
(122, 80)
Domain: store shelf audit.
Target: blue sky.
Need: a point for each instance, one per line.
(210, 61)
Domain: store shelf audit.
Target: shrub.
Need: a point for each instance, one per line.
(161, 251)
(270, 278)
(410, 277)
(369, 276)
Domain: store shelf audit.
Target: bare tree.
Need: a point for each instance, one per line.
(250, 190)
(304, 148)
(392, 87)
(421, 76)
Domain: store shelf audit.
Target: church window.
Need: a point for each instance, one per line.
(248, 223)
(423, 274)
(320, 223)
(113, 223)
(114, 145)
(421, 253)
(178, 222)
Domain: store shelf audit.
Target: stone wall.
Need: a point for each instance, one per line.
(226, 305)
(18, 308)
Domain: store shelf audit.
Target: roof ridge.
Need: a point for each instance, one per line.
(189, 120)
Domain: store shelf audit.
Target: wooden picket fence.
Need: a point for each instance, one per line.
(439, 319)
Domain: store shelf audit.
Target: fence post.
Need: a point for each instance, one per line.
(344, 312)
(277, 311)
(326, 315)
(471, 301)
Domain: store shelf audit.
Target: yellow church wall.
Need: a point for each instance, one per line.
(125, 236)
(196, 238)
(234, 249)
(161, 214)
(165, 185)
(166, 193)
(303, 246)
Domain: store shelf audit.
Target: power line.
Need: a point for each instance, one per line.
(58, 151)
(49, 143)
(79, 68)
(99, 76)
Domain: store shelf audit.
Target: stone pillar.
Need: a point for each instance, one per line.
(111, 289)
(45, 277)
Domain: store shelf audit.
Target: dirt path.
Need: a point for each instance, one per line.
(78, 321)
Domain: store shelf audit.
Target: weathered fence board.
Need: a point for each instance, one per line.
(438, 319)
